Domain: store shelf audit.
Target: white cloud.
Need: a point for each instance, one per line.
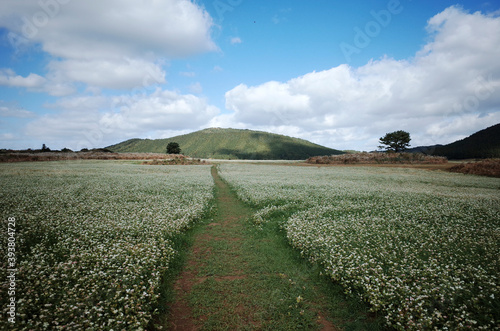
(32, 81)
(15, 112)
(160, 110)
(235, 40)
(273, 100)
(35, 83)
(447, 91)
(106, 29)
(456, 126)
(110, 44)
(7, 137)
(96, 121)
(116, 74)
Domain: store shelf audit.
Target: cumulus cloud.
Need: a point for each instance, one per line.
(95, 121)
(113, 44)
(160, 110)
(116, 74)
(105, 29)
(9, 78)
(35, 83)
(450, 87)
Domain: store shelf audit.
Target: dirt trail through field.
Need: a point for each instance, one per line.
(231, 282)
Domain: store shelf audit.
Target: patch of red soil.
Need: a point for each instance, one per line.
(180, 311)
(326, 325)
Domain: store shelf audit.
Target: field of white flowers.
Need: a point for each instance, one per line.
(421, 247)
(93, 239)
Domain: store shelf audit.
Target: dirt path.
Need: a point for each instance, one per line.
(238, 279)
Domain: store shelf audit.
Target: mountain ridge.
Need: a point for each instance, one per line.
(482, 144)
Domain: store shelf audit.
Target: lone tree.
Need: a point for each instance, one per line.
(396, 141)
(173, 148)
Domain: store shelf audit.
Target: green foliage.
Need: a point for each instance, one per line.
(219, 143)
(173, 148)
(396, 141)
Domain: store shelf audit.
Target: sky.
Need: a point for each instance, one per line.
(88, 74)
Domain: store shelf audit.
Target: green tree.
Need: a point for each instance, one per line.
(173, 148)
(396, 141)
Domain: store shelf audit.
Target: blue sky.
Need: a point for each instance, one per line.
(86, 74)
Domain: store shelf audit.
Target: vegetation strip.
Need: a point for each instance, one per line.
(237, 277)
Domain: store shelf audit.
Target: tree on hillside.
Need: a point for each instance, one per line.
(396, 141)
(173, 148)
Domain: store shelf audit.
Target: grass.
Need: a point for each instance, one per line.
(239, 277)
(181, 242)
(298, 277)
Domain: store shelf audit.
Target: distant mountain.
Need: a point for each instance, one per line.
(220, 143)
(480, 145)
(428, 150)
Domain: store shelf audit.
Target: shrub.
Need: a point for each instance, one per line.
(489, 167)
(378, 158)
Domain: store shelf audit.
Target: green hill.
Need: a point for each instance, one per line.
(220, 143)
(480, 145)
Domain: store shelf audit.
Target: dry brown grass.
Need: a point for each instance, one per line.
(177, 161)
(63, 156)
(489, 167)
(378, 158)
